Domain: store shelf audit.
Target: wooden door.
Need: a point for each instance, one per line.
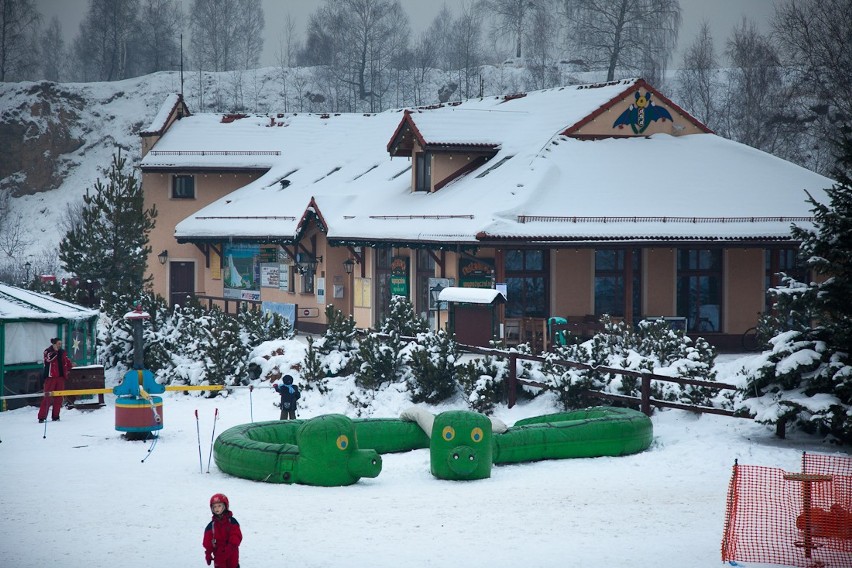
(473, 324)
(181, 281)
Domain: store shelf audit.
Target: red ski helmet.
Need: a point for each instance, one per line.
(219, 498)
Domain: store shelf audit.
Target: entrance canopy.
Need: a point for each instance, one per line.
(471, 295)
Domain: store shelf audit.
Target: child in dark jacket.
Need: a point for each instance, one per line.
(289, 395)
(223, 536)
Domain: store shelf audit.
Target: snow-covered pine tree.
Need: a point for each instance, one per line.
(433, 368)
(807, 378)
(402, 318)
(110, 244)
(224, 354)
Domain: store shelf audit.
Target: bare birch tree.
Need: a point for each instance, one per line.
(466, 48)
(158, 35)
(52, 52)
(541, 44)
(755, 90)
(19, 24)
(102, 47)
(698, 91)
(631, 35)
(226, 34)
(513, 18)
(815, 40)
(357, 40)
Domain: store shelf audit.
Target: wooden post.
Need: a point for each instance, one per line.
(646, 395)
(512, 382)
(807, 479)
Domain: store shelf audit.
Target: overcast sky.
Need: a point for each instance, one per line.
(722, 15)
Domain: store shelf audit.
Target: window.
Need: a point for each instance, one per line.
(782, 260)
(425, 271)
(526, 284)
(383, 282)
(611, 275)
(308, 282)
(699, 289)
(183, 187)
(423, 171)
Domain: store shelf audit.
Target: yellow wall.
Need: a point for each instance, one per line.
(572, 282)
(659, 285)
(602, 125)
(744, 294)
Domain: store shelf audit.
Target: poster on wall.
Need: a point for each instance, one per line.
(270, 275)
(476, 272)
(215, 265)
(284, 277)
(399, 276)
(363, 293)
(320, 290)
(286, 311)
(241, 273)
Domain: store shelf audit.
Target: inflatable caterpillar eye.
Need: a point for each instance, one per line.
(476, 434)
(342, 442)
(448, 433)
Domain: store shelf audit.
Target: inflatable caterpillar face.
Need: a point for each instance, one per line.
(460, 447)
(329, 454)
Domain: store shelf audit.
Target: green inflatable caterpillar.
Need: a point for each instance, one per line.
(333, 450)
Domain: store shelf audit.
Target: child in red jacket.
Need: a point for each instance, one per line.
(222, 537)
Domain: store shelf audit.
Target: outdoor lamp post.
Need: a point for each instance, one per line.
(27, 266)
(310, 264)
(435, 292)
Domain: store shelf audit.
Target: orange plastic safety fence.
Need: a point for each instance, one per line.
(795, 519)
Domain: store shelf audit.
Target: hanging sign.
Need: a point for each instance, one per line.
(476, 272)
(399, 283)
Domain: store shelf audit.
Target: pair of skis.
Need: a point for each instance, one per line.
(212, 435)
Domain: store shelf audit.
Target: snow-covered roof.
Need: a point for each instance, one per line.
(540, 185)
(19, 304)
(159, 123)
(470, 295)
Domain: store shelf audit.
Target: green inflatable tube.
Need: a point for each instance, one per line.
(333, 450)
(594, 432)
(320, 451)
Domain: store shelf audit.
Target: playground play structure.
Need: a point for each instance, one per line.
(795, 519)
(334, 450)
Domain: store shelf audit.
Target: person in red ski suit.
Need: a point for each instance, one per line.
(223, 536)
(56, 365)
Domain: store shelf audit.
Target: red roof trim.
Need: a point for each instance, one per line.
(178, 102)
(300, 226)
(640, 83)
(406, 120)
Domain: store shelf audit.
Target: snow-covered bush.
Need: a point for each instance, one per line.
(313, 368)
(483, 381)
(402, 319)
(433, 368)
(652, 347)
(380, 360)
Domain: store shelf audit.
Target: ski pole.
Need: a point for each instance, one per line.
(198, 431)
(151, 449)
(50, 407)
(212, 434)
(251, 406)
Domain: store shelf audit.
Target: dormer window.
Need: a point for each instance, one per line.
(423, 171)
(183, 187)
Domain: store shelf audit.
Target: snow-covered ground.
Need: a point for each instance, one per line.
(83, 497)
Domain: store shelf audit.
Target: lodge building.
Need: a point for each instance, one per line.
(574, 202)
